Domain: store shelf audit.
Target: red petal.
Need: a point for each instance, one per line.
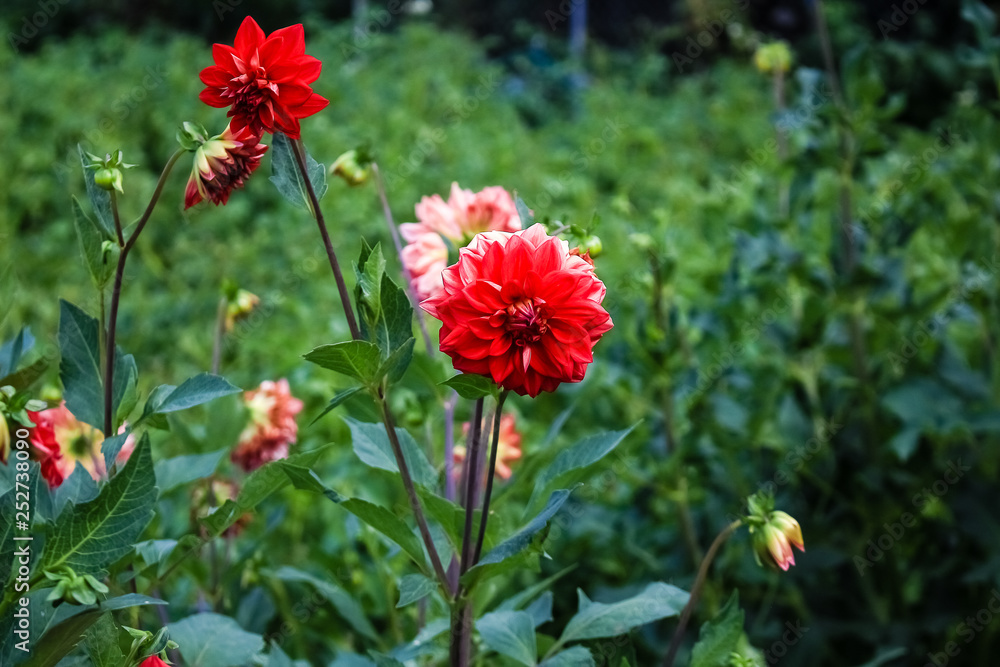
(270, 53)
(248, 37)
(226, 58)
(294, 38)
(212, 98)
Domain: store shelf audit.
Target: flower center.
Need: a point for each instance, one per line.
(526, 320)
(254, 89)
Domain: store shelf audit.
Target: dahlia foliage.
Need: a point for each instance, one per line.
(520, 311)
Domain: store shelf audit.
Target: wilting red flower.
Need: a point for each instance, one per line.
(508, 448)
(221, 165)
(272, 427)
(455, 222)
(266, 80)
(519, 308)
(61, 441)
(153, 661)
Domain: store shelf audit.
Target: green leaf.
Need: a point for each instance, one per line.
(541, 609)
(510, 633)
(585, 453)
(12, 351)
(368, 293)
(395, 324)
(194, 391)
(496, 560)
(125, 393)
(80, 367)
(346, 606)
(92, 238)
(78, 488)
(719, 637)
(473, 387)
(63, 637)
(396, 363)
(386, 313)
(523, 212)
(389, 525)
(111, 447)
(260, 484)
(91, 536)
(335, 401)
(595, 620)
(212, 640)
(288, 179)
(101, 643)
(358, 359)
(413, 587)
(27, 376)
(180, 470)
(577, 656)
(304, 479)
(372, 446)
(100, 199)
(518, 600)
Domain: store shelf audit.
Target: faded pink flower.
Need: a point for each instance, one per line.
(453, 223)
(272, 428)
(61, 441)
(508, 449)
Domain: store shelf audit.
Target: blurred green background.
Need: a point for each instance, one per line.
(748, 345)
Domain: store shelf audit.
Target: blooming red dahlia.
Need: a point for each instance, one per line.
(221, 165)
(265, 80)
(519, 308)
(272, 427)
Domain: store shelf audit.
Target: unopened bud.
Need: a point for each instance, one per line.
(240, 306)
(773, 533)
(773, 57)
(354, 167)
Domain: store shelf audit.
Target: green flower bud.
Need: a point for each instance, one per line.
(354, 167)
(73, 588)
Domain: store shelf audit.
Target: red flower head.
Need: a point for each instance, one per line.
(508, 449)
(272, 427)
(221, 165)
(61, 441)
(519, 308)
(153, 661)
(265, 80)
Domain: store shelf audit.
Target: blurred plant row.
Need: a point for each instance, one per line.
(805, 292)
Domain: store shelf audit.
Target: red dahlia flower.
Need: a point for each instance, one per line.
(519, 308)
(272, 427)
(221, 165)
(153, 661)
(264, 79)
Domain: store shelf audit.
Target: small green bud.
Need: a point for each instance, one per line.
(592, 244)
(354, 167)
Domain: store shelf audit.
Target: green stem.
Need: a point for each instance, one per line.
(220, 332)
(411, 491)
(699, 582)
(489, 479)
(345, 297)
(109, 361)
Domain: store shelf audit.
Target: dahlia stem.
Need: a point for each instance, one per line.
(411, 492)
(345, 297)
(471, 484)
(489, 479)
(699, 581)
(116, 292)
(220, 332)
(118, 220)
(407, 276)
